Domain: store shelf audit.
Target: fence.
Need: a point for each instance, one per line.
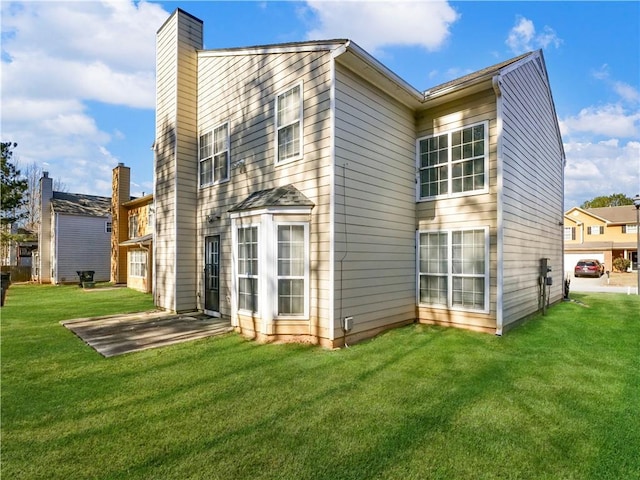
(18, 274)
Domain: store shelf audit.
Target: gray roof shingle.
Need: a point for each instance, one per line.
(286, 196)
(81, 204)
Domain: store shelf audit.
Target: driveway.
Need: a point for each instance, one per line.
(602, 284)
(117, 334)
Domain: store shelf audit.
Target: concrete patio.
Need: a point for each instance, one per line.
(117, 334)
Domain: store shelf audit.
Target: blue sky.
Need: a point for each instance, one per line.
(78, 77)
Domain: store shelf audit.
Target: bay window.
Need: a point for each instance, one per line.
(247, 268)
(272, 268)
(291, 270)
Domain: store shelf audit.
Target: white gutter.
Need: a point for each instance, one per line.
(382, 70)
(495, 81)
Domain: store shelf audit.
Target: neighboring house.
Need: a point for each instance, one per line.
(18, 251)
(308, 193)
(132, 234)
(602, 234)
(74, 235)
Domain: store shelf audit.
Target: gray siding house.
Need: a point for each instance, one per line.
(308, 193)
(74, 235)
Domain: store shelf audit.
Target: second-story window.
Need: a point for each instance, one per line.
(133, 226)
(569, 233)
(214, 155)
(289, 124)
(453, 163)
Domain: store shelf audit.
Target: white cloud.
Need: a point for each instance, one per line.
(626, 92)
(57, 57)
(524, 38)
(374, 25)
(610, 120)
(601, 168)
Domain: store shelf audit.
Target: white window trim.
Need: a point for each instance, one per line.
(437, 133)
(213, 155)
(631, 228)
(278, 127)
(487, 282)
(129, 263)
(274, 274)
(237, 275)
(267, 269)
(571, 234)
(133, 229)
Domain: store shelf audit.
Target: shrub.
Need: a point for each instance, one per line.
(621, 264)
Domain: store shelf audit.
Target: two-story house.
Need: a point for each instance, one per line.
(74, 235)
(308, 193)
(602, 234)
(132, 234)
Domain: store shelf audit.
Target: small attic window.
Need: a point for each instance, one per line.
(107, 227)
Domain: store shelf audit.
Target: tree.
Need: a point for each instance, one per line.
(13, 197)
(615, 200)
(13, 187)
(33, 174)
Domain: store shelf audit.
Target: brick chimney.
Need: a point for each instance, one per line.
(121, 193)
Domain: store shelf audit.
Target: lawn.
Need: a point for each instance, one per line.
(557, 398)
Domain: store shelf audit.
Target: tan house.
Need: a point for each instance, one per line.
(602, 234)
(131, 234)
(308, 193)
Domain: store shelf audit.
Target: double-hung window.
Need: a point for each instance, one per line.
(569, 233)
(214, 155)
(137, 263)
(247, 244)
(133, 226)
(453, 163)
(291, 269)
(288, 121)
(453, 269)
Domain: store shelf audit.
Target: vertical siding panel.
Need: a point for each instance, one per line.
(470, 211)
(374, 206)
(533, 190)
(82, 244)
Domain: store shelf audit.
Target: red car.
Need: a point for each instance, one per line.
(589, 268)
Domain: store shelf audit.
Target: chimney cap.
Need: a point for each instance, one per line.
(120, 164)
(45, 174)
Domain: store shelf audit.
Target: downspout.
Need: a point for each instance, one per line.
(332, 196)
(495, 81)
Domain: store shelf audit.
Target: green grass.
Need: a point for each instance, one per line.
(557, 398)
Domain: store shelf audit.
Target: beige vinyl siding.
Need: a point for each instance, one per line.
(81, 243)
(374, 207)
(463, 212)
(176, 162)
(532, 190)
(241, 90)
